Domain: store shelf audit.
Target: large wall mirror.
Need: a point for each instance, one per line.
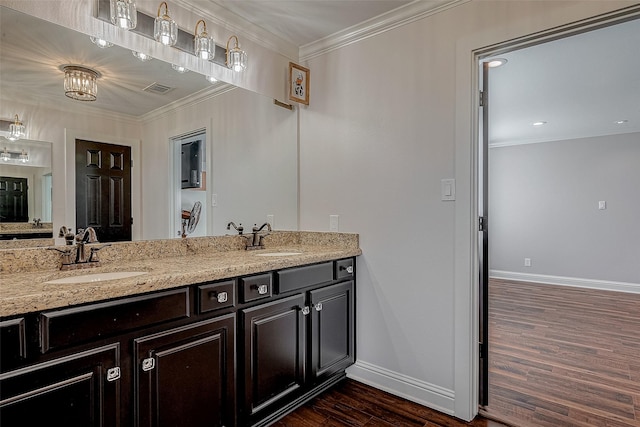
(251, 150)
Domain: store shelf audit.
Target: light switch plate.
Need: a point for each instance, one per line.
(334, 222)
(602, 205)
(448, 189)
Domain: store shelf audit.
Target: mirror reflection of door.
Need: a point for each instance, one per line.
(13, 199)
(103, 189)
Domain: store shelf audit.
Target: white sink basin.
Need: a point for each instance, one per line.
(278, 253)
(96, 277)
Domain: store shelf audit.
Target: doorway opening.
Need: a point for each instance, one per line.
(554, 349)
(189, 183)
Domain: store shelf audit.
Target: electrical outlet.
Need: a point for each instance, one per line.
(334, 222)
(527, 262)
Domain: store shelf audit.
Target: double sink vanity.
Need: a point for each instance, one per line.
(188, 332)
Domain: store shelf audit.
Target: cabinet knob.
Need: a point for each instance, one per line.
(220, 296)
(349, 269)
(318, 306)
(148, 364)
(306, 310)
(263, 289)
(113, 374)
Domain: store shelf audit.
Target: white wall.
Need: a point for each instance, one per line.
(251, 162)
(543, 203)
(389, 117)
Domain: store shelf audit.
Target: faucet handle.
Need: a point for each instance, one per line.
(66, 254)
(93, 257)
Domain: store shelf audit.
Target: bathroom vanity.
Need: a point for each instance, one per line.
(214, 337)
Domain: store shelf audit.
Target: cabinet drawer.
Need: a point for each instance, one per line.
(301, 277)
(215, 296)
(345, 269)
(256, 287)
(13, 341)
(81, 324)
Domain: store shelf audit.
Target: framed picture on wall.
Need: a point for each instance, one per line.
(298, 83)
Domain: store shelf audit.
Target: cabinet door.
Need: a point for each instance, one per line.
(78, 390)
(274, 345)
(332, 329)
(186, 376)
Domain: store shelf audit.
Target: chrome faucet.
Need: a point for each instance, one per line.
(87, 235)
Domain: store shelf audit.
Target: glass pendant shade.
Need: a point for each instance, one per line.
(141, 56)
(203, 44)
(236, 57)
(16, 130)
(101, 43)
(80, 83)
(124, 14)
(165, 29)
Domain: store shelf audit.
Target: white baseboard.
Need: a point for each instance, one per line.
(426, 394)
(633, 288)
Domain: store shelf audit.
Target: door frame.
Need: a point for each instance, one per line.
(469, 53)
(69, 176)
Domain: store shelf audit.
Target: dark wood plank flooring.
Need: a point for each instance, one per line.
(562, 356)
(351, 403)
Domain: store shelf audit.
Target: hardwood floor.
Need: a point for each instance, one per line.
(562, 356)
(351, 403)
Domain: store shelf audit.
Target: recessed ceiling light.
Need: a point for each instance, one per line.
(540, 123)
(621, 122)
(497, 62)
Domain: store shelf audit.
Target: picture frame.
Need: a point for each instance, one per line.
(298, 83)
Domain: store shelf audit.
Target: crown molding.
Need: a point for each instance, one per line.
(400, 16)
(190, 100)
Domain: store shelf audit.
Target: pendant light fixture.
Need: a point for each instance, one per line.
(236, 58)
(101, 43)
(124, 14)
(141, 56)
(5, 156)
(80, 83)
(23, 157)
(16, 130)
(165, 29)
(203, 44)
(179, 68)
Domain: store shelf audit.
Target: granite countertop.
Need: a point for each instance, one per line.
(24, 292)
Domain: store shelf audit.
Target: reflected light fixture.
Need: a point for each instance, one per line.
(236, 58)
(80, 83)
(621, 122)
(23, 157)
(211, 79)
(179, 68)
(124, 14)
(540, 123)
(165, 29)
(5, 156)
(141, 56)
(101, 43)
(203, 44)
(16, 130)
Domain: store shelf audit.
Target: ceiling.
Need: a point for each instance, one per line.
(579, 85)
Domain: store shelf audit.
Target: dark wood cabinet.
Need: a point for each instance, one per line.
(274, 350)
(82, 389)
(186, 376)
(235, 352)
(332, 330)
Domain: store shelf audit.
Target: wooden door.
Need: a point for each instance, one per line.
(185, 377)
(103, 189)
(332, 329)
(77, 390)
(274, 345)
(14, 205)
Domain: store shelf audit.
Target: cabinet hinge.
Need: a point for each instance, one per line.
(131, 162)
(481, 223)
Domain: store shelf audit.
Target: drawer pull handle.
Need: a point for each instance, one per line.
(263, 289)
(318, 306)
(306, 311)
(113, 374)
(349, 269)
(148, 364)
(222, 297)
